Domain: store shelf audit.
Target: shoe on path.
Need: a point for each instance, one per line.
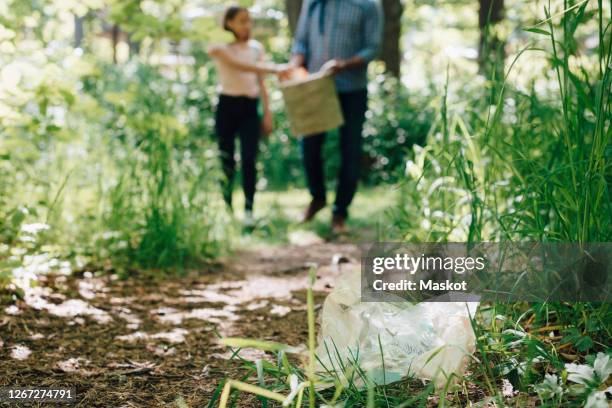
(313, 208)
(339, 224)
(249, 219)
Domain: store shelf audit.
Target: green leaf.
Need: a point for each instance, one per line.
(17, 218)
(580, 342)
(537, 31)
(52, 128)
(68, 96)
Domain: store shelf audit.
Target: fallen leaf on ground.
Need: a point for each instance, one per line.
(74, 365)
(20, 352)
(279, 310)
(176, 335)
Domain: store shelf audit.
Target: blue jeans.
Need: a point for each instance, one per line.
(354, 106)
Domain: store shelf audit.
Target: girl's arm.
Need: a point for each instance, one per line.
(259, 67)
(267, 114)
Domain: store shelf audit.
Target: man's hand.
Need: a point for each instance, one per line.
(334, 66)
(297, 60)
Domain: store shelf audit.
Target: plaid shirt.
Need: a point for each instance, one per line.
(341, 29)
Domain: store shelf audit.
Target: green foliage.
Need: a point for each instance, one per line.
(396, 121)
(149, 19)
(159, 201)
(102, 156)
(524, 166)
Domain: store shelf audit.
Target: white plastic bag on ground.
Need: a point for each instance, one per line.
(432, 340)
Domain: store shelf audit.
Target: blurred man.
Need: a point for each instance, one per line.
(341, 36)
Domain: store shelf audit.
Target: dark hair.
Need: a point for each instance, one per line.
(230, 13)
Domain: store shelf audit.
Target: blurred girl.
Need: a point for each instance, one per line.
(241, 66)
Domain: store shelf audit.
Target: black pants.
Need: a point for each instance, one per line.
(238, 114)
(354, 106)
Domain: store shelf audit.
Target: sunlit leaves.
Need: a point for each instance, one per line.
(149, 18)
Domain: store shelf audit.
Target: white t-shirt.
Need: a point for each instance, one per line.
(235, 81)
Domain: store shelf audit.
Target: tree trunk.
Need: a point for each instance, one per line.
(134, 47)
(78, 31)
(115, 41)
(491, 53)
(292, 8)
(392, 34)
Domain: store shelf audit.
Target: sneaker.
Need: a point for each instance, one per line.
(249, 220)
(339, 224)
(313, 208)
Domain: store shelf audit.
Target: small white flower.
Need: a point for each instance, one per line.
(517, 333)
(293, 382)
(507, 388)
(603, 366)
(549, 388)
(598, 399)
(580, 373)
(413, 170)
(426, 224)
(34, 228)
(295, 387)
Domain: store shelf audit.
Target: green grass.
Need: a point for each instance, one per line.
(278, 215)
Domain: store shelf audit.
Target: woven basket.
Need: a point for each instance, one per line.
(312, 104)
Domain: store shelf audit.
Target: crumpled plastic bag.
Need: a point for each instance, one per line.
(430, 340)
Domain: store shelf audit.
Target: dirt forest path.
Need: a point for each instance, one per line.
(144, 342)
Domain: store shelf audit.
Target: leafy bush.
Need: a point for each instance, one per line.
(162, 176)
(396, 121)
